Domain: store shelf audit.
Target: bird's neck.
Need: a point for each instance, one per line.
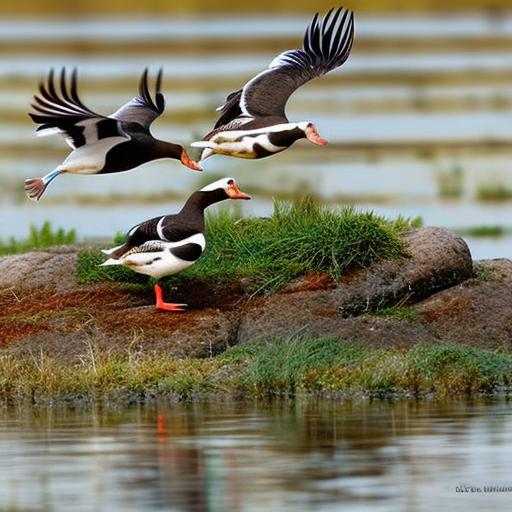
(165, 149)
(286, 137)
(200, 200)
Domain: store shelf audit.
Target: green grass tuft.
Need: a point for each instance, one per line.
(285, 366)
(459, 368)
(484, 273)
(39, 238)
(298, 365)
(298, 238)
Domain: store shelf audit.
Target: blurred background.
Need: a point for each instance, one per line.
(419, 119)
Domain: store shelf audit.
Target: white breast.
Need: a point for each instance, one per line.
(90, 159)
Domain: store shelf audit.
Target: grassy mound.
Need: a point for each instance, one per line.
(285, 367)
(298, 238)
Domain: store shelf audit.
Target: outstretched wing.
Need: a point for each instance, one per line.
(230, 110)
(142, 109)
(63, 112)
(327, 45)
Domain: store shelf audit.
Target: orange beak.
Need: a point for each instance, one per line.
(188, 162)
(235, 193)
(313, 136)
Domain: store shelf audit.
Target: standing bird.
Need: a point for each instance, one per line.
(100, 144)
(166, 245)
(253, 123)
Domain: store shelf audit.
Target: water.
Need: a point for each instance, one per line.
(307, 455)
(420, 96)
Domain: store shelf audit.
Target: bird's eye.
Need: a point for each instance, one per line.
(230, 182)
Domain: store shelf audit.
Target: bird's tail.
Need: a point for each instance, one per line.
(111, 261)
(35, 187)
(108, 252)
(208, 148)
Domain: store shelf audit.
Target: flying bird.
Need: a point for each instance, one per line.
(168, 244)
(252, 122)
(100, 144)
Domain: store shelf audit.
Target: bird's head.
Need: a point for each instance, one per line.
(311, 133)
(229, 187)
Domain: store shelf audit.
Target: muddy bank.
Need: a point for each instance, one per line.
(448, 298)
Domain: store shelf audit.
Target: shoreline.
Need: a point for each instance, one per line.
(426, 372)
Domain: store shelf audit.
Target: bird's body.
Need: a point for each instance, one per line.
(157, 258)
(100, 144)
(253, 141)
(253, 122)
(168, 244)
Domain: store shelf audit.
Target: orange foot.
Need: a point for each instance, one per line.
(166, 306)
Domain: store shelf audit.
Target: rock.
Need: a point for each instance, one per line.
(435, 259)
(316, 314)
(477, 312)
(49, 269)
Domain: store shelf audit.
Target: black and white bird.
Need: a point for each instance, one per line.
(252, 122)
(168, 244)
(101, 144)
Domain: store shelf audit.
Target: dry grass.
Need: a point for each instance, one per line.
(287, 367)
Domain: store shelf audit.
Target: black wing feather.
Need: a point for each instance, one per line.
(230, 110)
(187, 252)
(326, 46)
(63, 110)
(142, 109)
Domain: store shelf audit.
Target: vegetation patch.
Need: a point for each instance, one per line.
(290, 366)
(485, 273)
(483, 231)
(299, 238)
(494, 193)
(38, 238)
(401, 313)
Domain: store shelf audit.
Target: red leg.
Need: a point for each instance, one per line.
(166, 306)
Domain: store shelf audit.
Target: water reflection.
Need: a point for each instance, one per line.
(302, 455)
